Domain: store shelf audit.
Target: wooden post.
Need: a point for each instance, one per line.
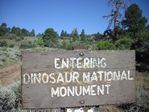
(63, 110)
(96, 109)
(85, 109)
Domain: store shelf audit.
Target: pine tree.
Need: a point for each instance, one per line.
(134, 21)
(82, 35)
(74, 34)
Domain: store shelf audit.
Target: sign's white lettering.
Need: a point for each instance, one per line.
(72, 62)
(75, 77)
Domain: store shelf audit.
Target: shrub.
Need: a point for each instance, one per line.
(17, 38)
(39, 42)
(16, 88)
(3, 43)
(7, 100)
(10, 99)
(50, 38)
(11, 45)
(10, 36)
(26, 45)
(104, 45)
(67, 45)
(123, 43)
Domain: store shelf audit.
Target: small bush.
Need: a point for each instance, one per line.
(3, 43)
(7, 100)
(16, 88)
(10, 36)
(19, 38)
(11, 45)
(123, 43)
(104, 45)
(26, 45)
(67, 45)
(39, 42)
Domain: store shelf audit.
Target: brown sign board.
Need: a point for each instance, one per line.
(59, 79)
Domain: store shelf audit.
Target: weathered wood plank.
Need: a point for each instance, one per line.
(39, 95)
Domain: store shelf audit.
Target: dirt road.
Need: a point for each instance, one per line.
(10, 73)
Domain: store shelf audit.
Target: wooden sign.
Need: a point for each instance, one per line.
(58, 79)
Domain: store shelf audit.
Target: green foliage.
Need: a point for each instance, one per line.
(40, 49)
(7, 100)
(75, 45)
(17, 31)
(40, 42)
(10, 98)
(16, 88)
(104, 45)
(3, 29)
(32, 33)
(11, 45)
(39, 35)
(67, 45)
(124, 43)
(26, 45)
(50, 38)
(142, 52)
(134, 20)
(82, 35)
(63, 34)
(135, 24)
(81, 45)
(3, 43)
(145, 41)
(22, 32)
(74, 35)
(97, 36)
(18, 39)
(109, 35)
(10, 36)
(11, 101)
(9, 56)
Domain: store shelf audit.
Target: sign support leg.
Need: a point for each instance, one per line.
(63, 110)
(85, 109)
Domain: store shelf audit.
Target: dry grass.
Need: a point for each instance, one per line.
(110, 108)
(142, 89)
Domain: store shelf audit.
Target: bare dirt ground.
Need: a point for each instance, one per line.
(10, 73)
